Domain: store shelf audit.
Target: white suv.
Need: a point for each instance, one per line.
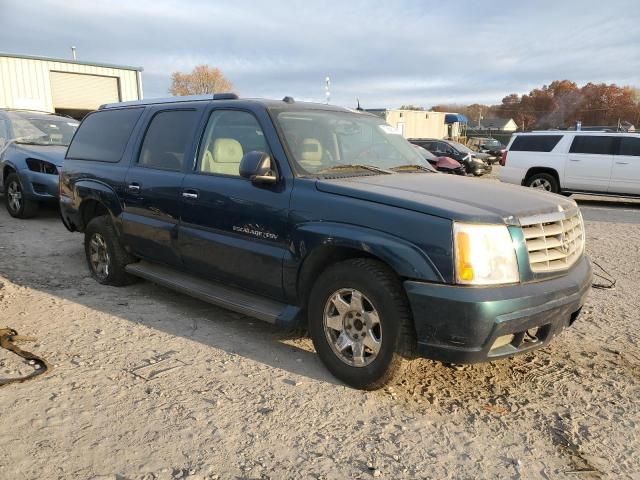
(568, 162)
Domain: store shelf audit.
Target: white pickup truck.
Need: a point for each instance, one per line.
(593, 162)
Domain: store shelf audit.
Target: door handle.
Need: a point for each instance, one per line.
(190, 194)
(574, 159)
(622, 163)
(134, 187)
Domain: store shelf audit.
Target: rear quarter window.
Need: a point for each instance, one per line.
(535, 143)
(596, 145)
(630, 146)
(103, 135)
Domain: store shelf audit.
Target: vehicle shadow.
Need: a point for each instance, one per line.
(41, 254)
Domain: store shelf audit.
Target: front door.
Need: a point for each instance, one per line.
(625, 175)
(153, 186)
(589, 162)
(232, 230)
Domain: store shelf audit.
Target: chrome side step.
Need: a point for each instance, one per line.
(227, 297)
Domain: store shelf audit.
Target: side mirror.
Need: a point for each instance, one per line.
(257, 167)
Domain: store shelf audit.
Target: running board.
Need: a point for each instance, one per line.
(230, 298)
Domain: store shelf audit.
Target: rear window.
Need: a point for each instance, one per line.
(630, 146)
(597, 145)
(535, 143)
(103, 135)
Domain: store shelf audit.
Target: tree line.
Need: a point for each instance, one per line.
(560, 105)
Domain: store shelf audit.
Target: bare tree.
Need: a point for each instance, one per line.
(201, 80)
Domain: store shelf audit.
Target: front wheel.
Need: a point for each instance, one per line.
(360, 323)
(106, 257)
(18, 205)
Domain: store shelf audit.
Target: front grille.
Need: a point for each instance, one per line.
(554, 241)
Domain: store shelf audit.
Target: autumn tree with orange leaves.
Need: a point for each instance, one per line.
(559, 105)
(201, 80)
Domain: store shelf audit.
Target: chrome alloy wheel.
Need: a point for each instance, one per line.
(541, 184)
(99, 256)
(14, 194)
(352, 327)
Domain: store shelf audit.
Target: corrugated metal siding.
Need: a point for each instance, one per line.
(25, 83)
(82, 91)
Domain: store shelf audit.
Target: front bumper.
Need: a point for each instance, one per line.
(39, 186)
(460, 324)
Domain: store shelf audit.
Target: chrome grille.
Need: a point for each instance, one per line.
(554, 241)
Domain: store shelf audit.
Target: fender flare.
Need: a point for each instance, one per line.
(93, 190)
(403, 257)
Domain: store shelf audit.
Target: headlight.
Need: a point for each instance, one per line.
(484, 254)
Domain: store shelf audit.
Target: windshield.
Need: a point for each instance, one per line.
(42, 129)
(460, 147)
(492, 143)
(344, 142)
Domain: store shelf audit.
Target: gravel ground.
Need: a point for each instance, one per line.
(151, 384)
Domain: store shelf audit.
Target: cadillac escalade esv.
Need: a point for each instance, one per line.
(319, 216)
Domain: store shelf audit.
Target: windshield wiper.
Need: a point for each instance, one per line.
(412, 167)
(356, 166)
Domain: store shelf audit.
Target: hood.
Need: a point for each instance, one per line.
(447, 196)
(481, 155)
(50, 153)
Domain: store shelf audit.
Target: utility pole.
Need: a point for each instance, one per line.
(327, 89)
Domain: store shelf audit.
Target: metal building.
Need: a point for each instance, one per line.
(69, 87)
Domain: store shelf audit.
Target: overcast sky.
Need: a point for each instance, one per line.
(387, 53)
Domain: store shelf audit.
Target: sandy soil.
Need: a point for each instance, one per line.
(148, 383)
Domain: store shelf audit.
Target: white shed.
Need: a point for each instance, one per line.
(69, 87)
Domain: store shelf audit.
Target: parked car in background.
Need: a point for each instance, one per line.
(311, 215)
(569, 162)
(487, 145)
(32, 148)
(473, 162)
(441, 164)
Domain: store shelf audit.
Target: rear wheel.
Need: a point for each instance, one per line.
(106, 257)
(543, 181)
(360, 323)
(18, 205)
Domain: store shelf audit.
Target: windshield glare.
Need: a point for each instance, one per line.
(43, 129)
(321, 140)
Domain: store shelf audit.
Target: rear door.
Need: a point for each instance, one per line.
(153, 184)
(232, 230)
(589, 163)
(625, 175)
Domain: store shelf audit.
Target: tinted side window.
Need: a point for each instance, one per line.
(535, 143)
(592, 144)
(167, 139)
(630, 146)
(228, 136)
(103, 135)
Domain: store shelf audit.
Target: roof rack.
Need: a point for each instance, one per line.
(186, 98)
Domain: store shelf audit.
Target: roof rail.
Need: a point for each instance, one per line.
(185, 98)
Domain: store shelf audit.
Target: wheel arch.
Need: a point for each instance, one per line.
(535, 170)
(322, 245)
(96, 199)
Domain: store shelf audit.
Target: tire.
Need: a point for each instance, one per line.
(106, 257)
(17, 204)
(477, 173)
(543, 181)
(393, 336)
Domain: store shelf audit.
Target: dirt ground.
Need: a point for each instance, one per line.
(151, 384)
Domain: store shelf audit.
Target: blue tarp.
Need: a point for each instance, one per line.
(455, 117)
